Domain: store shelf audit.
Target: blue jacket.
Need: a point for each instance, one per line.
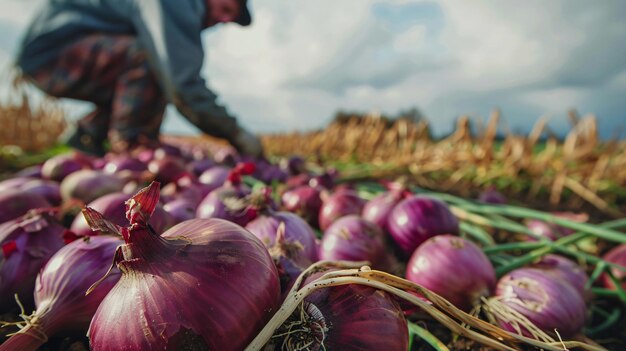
(169, 31)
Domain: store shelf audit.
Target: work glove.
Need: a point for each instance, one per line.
(247, 143)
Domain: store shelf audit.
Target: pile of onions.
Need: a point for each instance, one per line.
(352, 238)
(214, 264)
(88, 185)
(339, 204)
(347, 317)
(60, 300)
(536, 296)
(60, 166)
(27, 243)
(305, 201)
(214, 177)
(15, 203)
(297, 232)
(617, 255)
(418, 218)
(454, 268)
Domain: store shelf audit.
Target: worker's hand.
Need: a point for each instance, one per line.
(247, 143)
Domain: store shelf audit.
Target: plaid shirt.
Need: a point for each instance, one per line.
(169, 31)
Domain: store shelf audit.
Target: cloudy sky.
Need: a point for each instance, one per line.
(303, 60)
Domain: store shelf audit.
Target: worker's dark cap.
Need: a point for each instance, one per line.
(244, 18)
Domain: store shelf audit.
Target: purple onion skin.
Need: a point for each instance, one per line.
(378, 209)
(213, 206)
(32, 171)
(352, 238)
(492, 196)
(198, 167)
(60, 300)
(210, 263)
(304, 201)
(298, 180)
(616, 255)
(418, 218)
(113, 208)
(543, 229)
(167, 169)
(35, 239)
(547, 302)
(49, 189)
(15, 203)
(264, 227)
(293, 165)
(124, 163)
(88, 185)
(14, 183)
(566, 270)
(60, 166)
(214, 177)
(339, 204)
(454, 268)
(180, 210)
(357, 317)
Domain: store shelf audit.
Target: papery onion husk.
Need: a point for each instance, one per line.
(566, 270)
(617, 255)
(339, 204)
(546, 302)
(352, 238)
(418, 218)
(62, 307)
(289, 258)
(203, 284)
(348, 318)
(26, 245)
(304, 201)
(454, 268)
(113, 207)
(88, 185)
(297, 230)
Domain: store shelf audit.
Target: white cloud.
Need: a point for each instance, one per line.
(301, 61)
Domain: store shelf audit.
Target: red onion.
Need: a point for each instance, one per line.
(113, 208)
(198, 167)
(214, 177)
(124, 163)
(492, 196)
(88, 185)
(60, 300)
(49, 189)
(304, 201)
(180, 210)
(552, 231)
(325, 181)
(298, 181)
(293, 165)
(27, 243)
(566, 270)
(289, 259)
(339, 204)
(418, 218)
(546, 302)
(14, 183)
(31, 171)
(454, 268)
(378, 209)
(168, 169)
(212, 264)
(167, 150)
(618, 256)
(352, 238)
(15, 203)
(347, 317)
(60, 166)
(297, 230)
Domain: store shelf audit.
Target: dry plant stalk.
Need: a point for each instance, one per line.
(581, 166)
(34, 127)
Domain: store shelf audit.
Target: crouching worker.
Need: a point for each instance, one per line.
(131, 58)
